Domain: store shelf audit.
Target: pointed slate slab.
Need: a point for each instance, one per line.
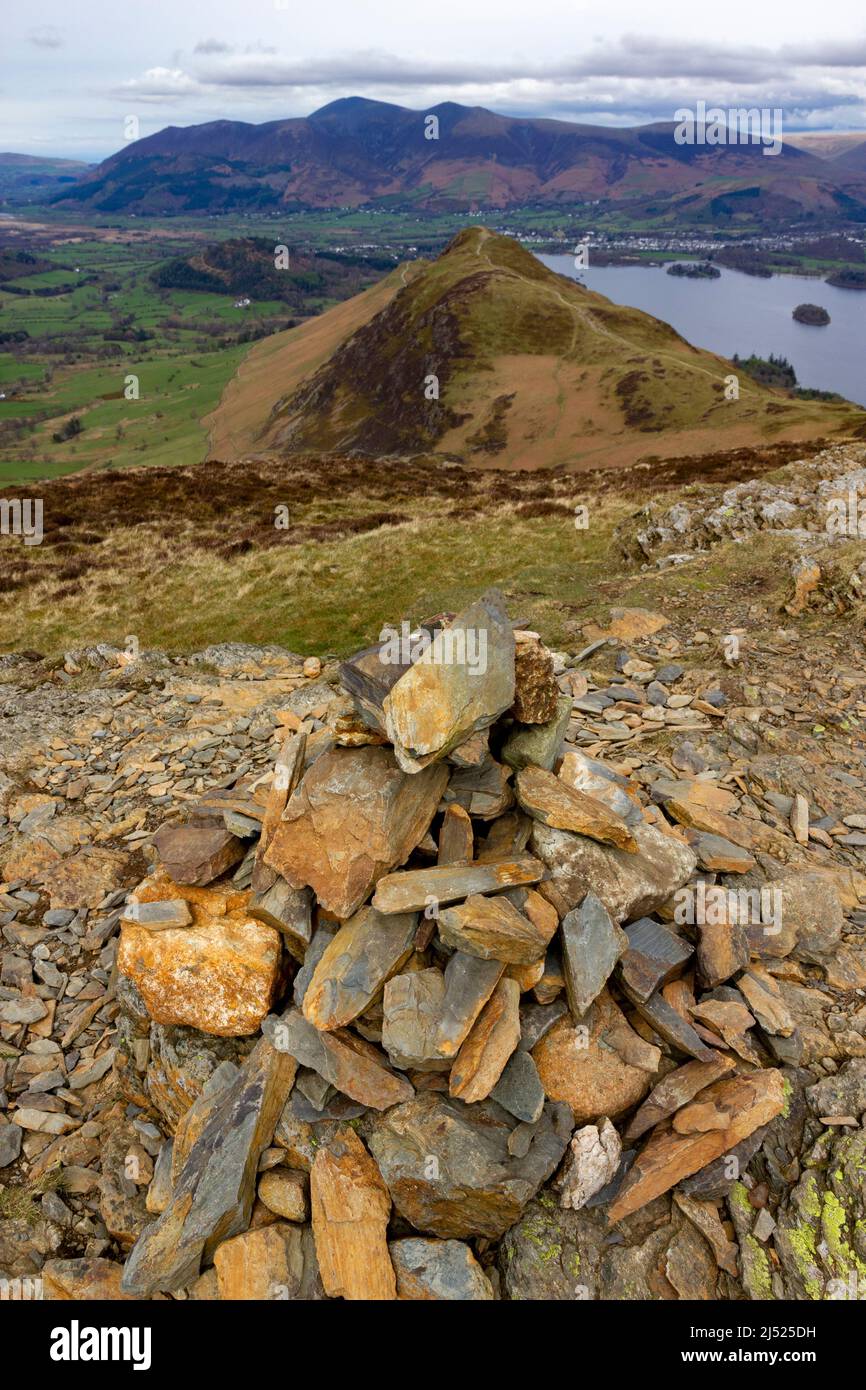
(456, 837)
(214, 1195)
(592, 944)
(675, 1090)
(351, 974)
(462, 684)
(519, 1089)
(668, 1157)
(488, 1046)
(671, 1026)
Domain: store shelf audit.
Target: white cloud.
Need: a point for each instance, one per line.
(160, 82)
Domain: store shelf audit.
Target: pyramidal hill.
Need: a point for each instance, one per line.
(488, 357)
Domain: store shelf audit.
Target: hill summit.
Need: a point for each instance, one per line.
(488, 357)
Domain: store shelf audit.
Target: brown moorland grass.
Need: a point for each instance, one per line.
(182, 557)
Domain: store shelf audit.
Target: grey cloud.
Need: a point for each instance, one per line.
(212, 46)
(633, 56)
(45, 37)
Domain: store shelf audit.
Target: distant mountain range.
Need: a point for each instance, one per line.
(30, 178)
(355, 151)
(487, 357)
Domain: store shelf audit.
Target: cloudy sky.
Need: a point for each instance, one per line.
(70, 75)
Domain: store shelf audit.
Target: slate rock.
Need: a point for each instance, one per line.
(448, 1168)
(537, 1019)
(655, 955)
(350, 1064)
(438, 1270)
(629, 885)
(352, 971)
(841, 1094)
(351, 1209)
(416, 889)
(289, 910)
(591, 1162)
(273, 1262)
(536, 689)
(483, 791)
(599, 780)
(428, 1013)
(721, 856)
(675, 1090)
(488, 1046)
(493, 928)
(519, 1089)
(461, 685)
(747, 1102)
(670, 1025)
(715, 1179)
(219, 974)
(578, 1064)
(723, 949)
(592, 944)
(539, 745)
(809, 915)
(196, 854)
(551, 801)
(10, 1144)
(354, 817)
(213, 1198)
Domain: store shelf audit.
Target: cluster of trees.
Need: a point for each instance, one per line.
(769, 371)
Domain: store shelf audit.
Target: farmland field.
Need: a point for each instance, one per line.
(103, 367)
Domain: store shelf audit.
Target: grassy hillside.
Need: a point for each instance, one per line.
(531, 370)
(367, 543)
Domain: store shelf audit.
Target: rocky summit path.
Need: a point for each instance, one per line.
(536, 975)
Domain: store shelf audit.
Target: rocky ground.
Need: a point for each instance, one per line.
(358, 981)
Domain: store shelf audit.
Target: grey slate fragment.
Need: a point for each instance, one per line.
(592, 944)
(519, 1089)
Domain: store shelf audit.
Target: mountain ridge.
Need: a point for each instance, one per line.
(355, 151)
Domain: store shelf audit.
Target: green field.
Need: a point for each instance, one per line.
(77, 348)
(162, 427)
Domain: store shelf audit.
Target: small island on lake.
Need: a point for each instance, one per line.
(811, 313)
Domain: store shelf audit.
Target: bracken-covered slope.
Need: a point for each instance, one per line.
(488, 357)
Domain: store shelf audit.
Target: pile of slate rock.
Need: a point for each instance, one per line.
(438, 960)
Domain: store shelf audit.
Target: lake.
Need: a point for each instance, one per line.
(746, 314)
